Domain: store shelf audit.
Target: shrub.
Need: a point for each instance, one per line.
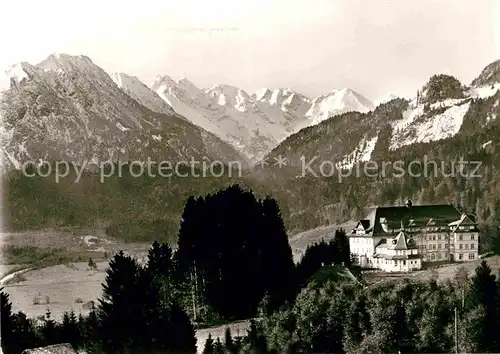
(36, 300)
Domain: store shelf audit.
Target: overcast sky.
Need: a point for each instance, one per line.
(313, 46)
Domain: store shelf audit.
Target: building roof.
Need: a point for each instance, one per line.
(384, 220)
(402, 242)
(65, 348)
(365, 223)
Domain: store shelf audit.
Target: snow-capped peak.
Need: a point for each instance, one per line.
(261, 94)
(384, 99)
(136, 89)
(231, 96)
(14, 73)
(336, 102)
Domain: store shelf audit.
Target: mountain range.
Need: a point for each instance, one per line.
(66, 107)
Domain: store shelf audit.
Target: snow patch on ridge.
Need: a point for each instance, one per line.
(222, 99)
(484, 91)
(416, 128)
(260, 93)
(121, 127)
(361, 153)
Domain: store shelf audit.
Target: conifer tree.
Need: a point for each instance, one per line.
(483, 292)
(228, 341)
(50, 329)
(209, 345)
(120, 311)
(7, 327)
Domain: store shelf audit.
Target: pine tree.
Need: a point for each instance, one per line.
(218, 347)
(483, 292)
(228, 341)
(120, 311)
(184, 338)
(7, 327)
(70, 330)
(50, 330)
(26, 333)
(209, 345)
(342, 248)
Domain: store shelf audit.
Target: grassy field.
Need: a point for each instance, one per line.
(59, 272)
(61, 285)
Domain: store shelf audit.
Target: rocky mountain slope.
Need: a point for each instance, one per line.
(67, 108)
(255, 123)
(445, 122)
(441, 110)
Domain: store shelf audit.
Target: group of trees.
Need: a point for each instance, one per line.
(391, 317)
(233, 257)
(138, 312)
(233, 249)
(233, 261)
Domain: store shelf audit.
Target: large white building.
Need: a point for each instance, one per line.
(401, 238)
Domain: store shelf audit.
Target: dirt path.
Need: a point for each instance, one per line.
(10, 276)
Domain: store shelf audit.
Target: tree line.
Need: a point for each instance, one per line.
(233, 261)
(418, 316)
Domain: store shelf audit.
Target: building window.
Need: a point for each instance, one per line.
(439, 237)
(438, 255)
(466, 246)
(471, 246)
(433, 237)
(460, 237)
(446, 245)
(471, 255)
(471, 227)
(439, 246)
(434, 246)
(472, 237)
(461, 246)
(404, 262)
(433, 256)
(460, 256)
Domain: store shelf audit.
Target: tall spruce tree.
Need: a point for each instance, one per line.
(483, 292)
(209, 345)
(7, 326)
(120, 312)
(70, 332)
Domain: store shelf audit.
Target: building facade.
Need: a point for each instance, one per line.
(430, 232)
